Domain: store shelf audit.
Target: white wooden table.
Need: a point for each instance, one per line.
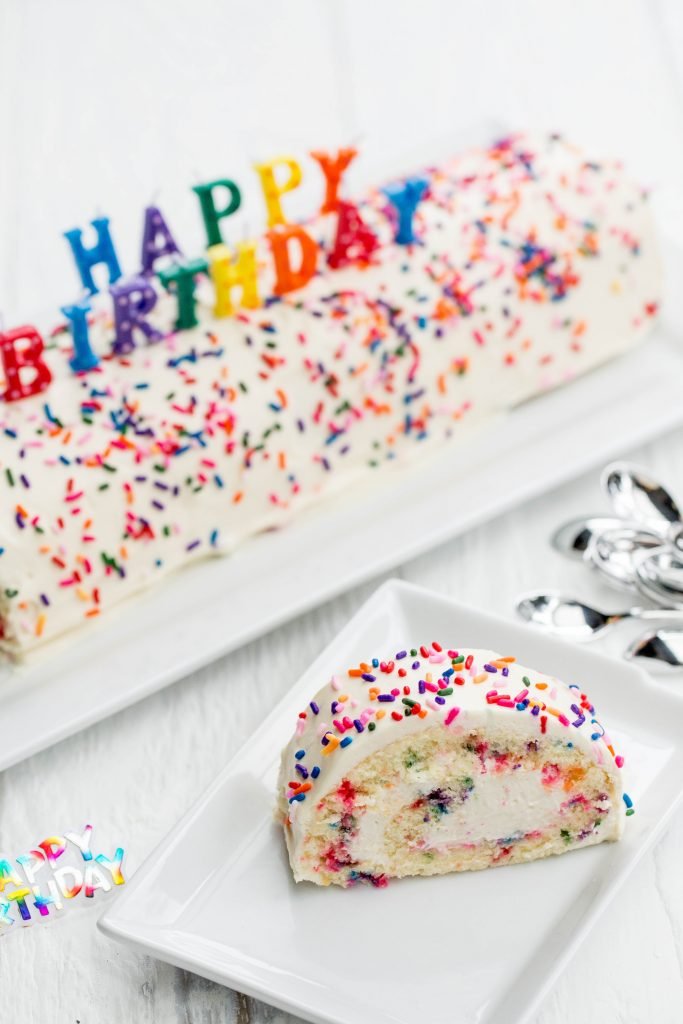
(100, 106)
(134, 775)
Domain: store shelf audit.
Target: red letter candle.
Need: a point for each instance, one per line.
(28, 357)
(354, 241)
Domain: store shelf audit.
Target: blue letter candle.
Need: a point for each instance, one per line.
(404, 198)
(83, 358)
(102, 252)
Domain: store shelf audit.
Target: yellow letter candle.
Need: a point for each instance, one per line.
(274, 190)
(230, 271)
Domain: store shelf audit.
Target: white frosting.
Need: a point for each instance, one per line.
(534, 266)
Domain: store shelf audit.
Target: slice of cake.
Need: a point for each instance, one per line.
(532, 266)
(440, 760)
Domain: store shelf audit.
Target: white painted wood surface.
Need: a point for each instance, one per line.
(101, 106)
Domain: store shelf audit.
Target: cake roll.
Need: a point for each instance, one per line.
(432, 760)
(531, 265)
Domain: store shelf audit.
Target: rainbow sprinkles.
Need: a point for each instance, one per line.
(203, 401)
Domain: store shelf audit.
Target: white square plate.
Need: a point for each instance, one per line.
(217, 897)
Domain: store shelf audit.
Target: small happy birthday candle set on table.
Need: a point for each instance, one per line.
(38, 884)
(209, 398)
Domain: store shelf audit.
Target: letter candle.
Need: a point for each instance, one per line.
(16, 357)
(83, 358)
(157, 240)
(102, 252)
(273, 191)
(333, 168)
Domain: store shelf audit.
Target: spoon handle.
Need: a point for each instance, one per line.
(659, 614)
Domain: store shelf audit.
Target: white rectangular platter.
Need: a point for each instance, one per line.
(213, 608)
(217, 897)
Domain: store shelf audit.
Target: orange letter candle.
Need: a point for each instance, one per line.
(287, 279)
(272, 191)
(333, 168)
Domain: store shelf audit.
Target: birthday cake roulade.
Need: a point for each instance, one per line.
(216, 398)
(434, 760)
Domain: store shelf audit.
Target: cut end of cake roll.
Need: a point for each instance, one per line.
(464, 761)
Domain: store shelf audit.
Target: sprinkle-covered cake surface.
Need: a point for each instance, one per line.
(531, 266)
(438, 759)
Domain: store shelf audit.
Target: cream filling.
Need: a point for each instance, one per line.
(499, 807)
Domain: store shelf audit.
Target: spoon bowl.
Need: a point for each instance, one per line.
(635, 494)
(658, 649)
(574, 537)
(574, 620)
(615, 551)
(659, 576)
(563, 616)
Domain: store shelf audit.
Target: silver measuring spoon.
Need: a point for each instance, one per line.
(616, 551)
(635, 494)
(574, 620)
(659, 576)
(573, 538)
(660, 648)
